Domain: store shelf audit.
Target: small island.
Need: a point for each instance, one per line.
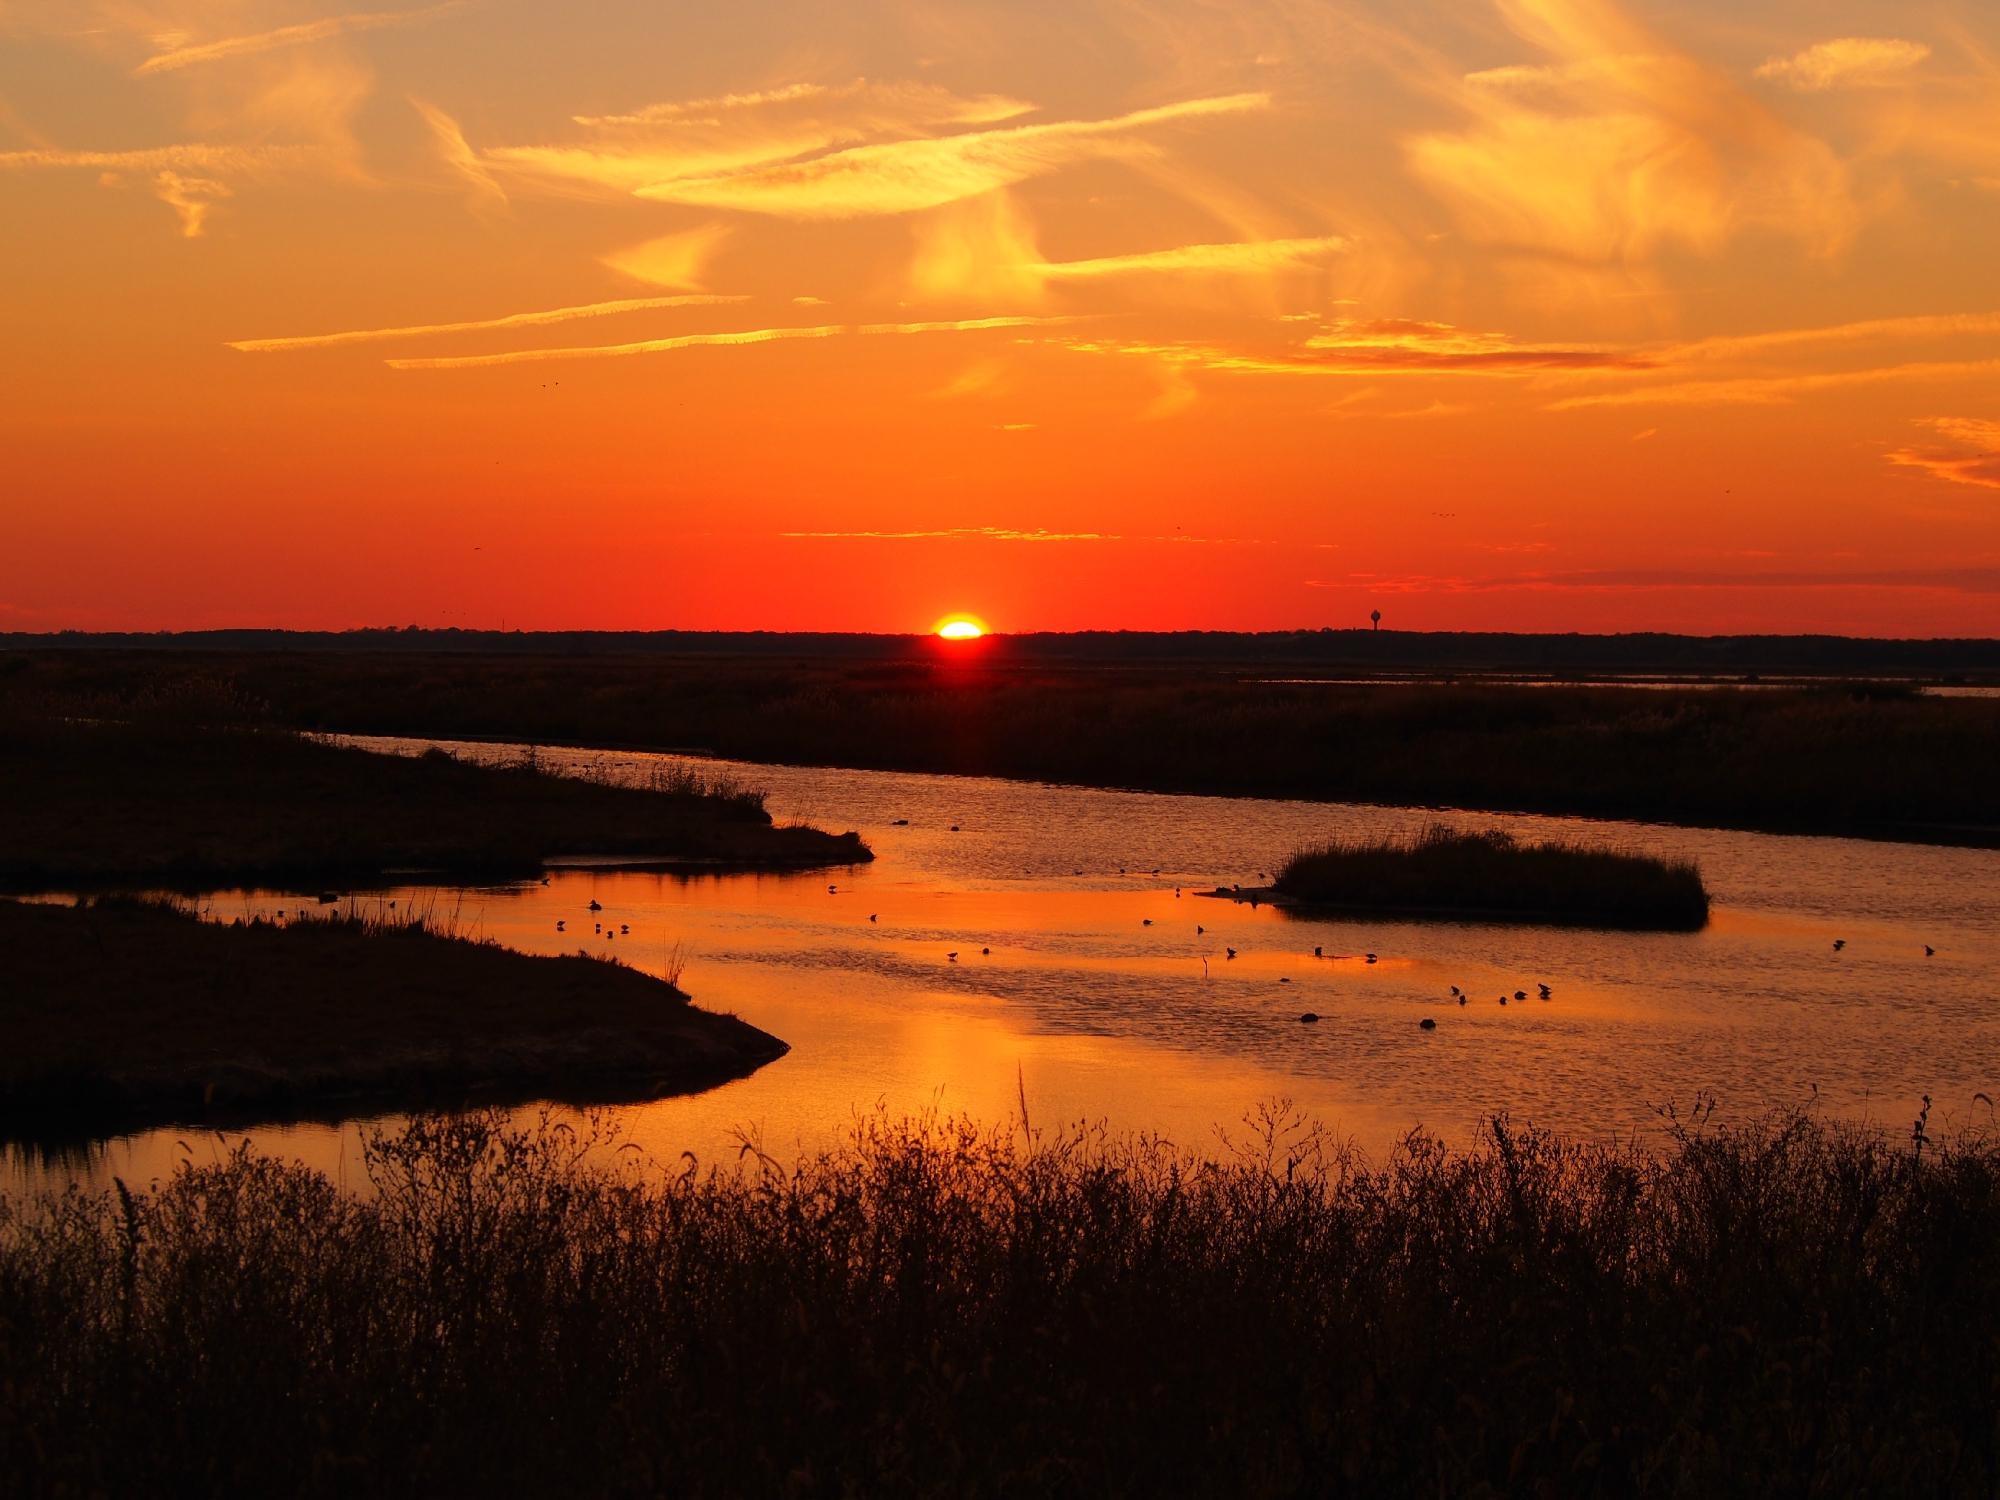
(122, 1015)
(1448, 874)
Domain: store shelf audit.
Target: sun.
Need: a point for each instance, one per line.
(960, 628)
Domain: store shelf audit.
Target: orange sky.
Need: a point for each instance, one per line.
(1520, 314)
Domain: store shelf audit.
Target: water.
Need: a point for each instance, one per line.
(1091, 1014)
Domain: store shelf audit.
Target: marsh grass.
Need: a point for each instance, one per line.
(1445, 871)
(935, 1308)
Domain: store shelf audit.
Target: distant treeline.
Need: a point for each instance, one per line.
(1365, 651)
(1866, 759)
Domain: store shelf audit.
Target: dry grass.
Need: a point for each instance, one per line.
(937, 1309)
(1444, 872)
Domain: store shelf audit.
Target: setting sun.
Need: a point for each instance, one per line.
(961, 629)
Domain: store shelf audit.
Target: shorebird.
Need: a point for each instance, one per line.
(951, 958)
(833, 890)
(1230, 951)
(1369, 956)
(1520, 994)
(1544, 989)
(1428, 1024)
(1309, 1017)
(559, 926)
(625, 929)
(1838, 944)
(594, 906)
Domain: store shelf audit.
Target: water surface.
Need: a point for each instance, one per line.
(1084, 978)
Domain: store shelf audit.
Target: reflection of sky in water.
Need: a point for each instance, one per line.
(1101, 1016)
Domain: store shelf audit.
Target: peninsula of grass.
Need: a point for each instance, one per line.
(1452, 875)
(1781, 1307)
(150, 802)
(120, 1015)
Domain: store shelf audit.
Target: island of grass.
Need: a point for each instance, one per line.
(121, 1014)
(1445, 873)
(95, 805)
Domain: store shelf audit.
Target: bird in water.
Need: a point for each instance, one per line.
(1838, 944)
(1544, 989)
(1199, 929)
(1318, 952)
(951, 958)
(872, 916)
(1428, 1024)
(1145, 921)
(1461, 999)
(833, 890)
(1370, 957)
(1928, 950)
(1520, 994)
(1230, 951)
(594, 906)
(559, 927)
(986, 952)
(1503, 999)
(1284, 981)
(1309, 1017)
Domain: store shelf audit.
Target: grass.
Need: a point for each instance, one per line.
(1781, 1308)
(1448, 873)
(122, 1014)
(153, 800)
(1855, 759)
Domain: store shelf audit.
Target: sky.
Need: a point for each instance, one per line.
(1231, 314)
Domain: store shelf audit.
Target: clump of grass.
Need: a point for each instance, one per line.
(1448, 872)
(935, 1308)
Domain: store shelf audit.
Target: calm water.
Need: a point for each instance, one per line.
(1095, 1014)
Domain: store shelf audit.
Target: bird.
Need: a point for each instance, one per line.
(1370, 957)
(1928, 950)
(594, 906)
(1520, 994)
(1318, 951)
(625, 928)
(954, 828)
(1428, 1024)
(597, 927)
(833, 890)
(559, 927)
(1544, 989)
(986, 952)
(1838, 944)
(1454, 989)
(1145, 921)
(1283, 980)
(873, 915)
(1309, 1017)
(1230, 951)
(1503, 999)
(1199, 929)
(1177, 893)
(951, 958)
(1461, 999)
(545, 880)
(900, 823)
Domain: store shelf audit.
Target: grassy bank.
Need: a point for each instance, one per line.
(1834, 759)
(154, 801)
(121, 1014)
(1782, 1309)
(1489, 876)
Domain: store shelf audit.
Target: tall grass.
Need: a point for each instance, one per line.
(1446, 871)
(934, 1308)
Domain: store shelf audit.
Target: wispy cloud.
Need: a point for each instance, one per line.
(1240, 258)
(1618, 146)
(189, 54)
(1034, 534)
(509, 320)
(188, 197)
(674, 260)
(1846, 62)
(710, 341)
(1769, 390)
(1864, 331)
(1621, 580)
(183, 156)
(459, 156)
(899, 177)
(1980, 467)
(859, 107)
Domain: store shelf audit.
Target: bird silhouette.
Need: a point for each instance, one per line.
(951, 958)
(1309, 1017)
(986, 951)
(1544, 989)
(1370, 957)
(1428, 1024)
(595, 907)
(1520, 994)
(1503, 999)
(559, 927)
(1283, 980)
(833, 890)
(1838, 944)
(1145, 921)
(1928, 950)
(1231, 952)
(1199, 929)
(1318, 952)
(872, 916)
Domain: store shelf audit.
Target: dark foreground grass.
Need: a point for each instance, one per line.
(154, 801)
(1444, 872)
(119, 1014)
(1786, 1309)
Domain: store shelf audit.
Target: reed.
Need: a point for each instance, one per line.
(1447, 872)
(1778, 1307)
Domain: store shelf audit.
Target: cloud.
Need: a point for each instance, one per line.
(509, 320)
(1868, 330)
(1620, 147)
(709, 341)
(1622, 580)
(190, 54)
(1015, 534)
(1980, 468)
(188, 197)
(1770, 390)
(185, 156)
(1252, 257)
(673, 260)
(459, 156)
(899, 177)
(1846, 62)
(698, 138)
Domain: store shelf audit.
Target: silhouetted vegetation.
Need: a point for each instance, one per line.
(121, 1014)
(1858, 758)
(1445, 872)
(177, 786)
(1786, 1308)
